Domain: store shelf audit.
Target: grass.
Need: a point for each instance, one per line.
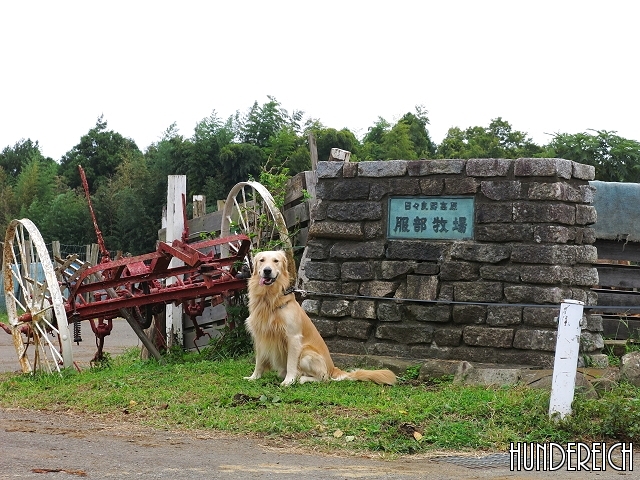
(191, 392)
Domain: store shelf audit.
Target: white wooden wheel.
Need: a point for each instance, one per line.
(35, 305)
(251, 210)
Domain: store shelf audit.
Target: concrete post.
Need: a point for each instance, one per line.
(566, 360)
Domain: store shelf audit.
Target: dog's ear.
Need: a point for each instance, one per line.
(283, 258)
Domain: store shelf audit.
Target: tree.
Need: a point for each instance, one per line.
(498, 140)
(418, 133)
(13, 159)
(616, 159)
(99, 152)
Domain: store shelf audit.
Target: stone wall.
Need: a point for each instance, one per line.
(495, 297)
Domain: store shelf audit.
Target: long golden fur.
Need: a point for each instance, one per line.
(284, 338)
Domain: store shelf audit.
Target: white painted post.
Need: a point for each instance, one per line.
(563, 384)
(177, 186)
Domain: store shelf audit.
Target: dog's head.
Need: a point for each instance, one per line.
(271, 268)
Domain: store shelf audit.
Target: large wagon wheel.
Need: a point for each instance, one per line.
(251, 210)
(35, 305)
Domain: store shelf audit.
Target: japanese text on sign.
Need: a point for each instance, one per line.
(433, 218)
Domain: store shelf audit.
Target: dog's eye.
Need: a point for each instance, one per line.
(276, 260)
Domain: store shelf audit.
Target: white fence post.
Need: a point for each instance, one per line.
(177, 187)
(565, 364)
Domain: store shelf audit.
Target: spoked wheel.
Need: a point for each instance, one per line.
(251, 210)
(35, 305)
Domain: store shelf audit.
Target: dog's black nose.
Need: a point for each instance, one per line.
(267, 271)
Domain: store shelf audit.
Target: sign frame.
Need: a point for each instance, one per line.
(445, 225)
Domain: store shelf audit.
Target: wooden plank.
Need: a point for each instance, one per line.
(618, 250)
(294, 187)
(616, 298)
(296, 215)
(620, 328)
(313, 151)
(621, 276)
(311, 180)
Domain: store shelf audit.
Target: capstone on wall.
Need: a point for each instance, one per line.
(531, 249)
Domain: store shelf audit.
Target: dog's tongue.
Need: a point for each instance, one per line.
(264, 281)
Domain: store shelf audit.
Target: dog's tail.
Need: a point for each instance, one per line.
(381, 377)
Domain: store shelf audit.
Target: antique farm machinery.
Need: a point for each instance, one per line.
(43, 300)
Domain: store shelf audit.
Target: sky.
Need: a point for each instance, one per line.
(546, 67)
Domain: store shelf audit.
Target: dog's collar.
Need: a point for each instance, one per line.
(289, 291)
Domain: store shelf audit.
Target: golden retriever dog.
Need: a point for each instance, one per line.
(284, 338)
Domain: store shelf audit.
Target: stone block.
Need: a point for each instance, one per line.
(501, 189)
(534, 294)
(416, 250)
(543, 167)
(389, 312)
(630, 368)
(318, 249)
(326, 327)
(553, 234)
(427, 313)
(487, 376)
(329, 169)
(349, 169)
(475, 252)
(389, 349)
(318, 286)
(541, 317)
(378, 288)
(311, 307)
(340, 230)
(481, 336)
(421, 168)
(373, 230)
(322, 271)
(498, 316)
(531, 212)
(535, 340)
(520, 232)
(546, 254)
(494, 212)
(354, 211)
(450, 337)
(392, 269)
(585, 276)
(460, 186)
(435, 368)
(477, 291)
(548, 274)
(363, 309)
(431, 186)
(586, 214)
(594, 323)
(353, 328)
(346, 189)
(588, 193)
(586, 254)
(352, 347)
(387, 168)
(584, 172)
(502, 273)
(405, 333)
(356, 271)
(459, 271)
(555, 191)
(591, 342)
(525, 357)
(426, 268)
(488, 167)
(421, 287)
(379, 188)
(404, 186)
(469, 314)
(355, 250)
(335, 308)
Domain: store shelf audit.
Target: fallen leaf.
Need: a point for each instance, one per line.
(133, 402)
(417, 436)
(350, 438)
(338, 433)
(403, 412)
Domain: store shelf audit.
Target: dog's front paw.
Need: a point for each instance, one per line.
(252, 377)
(288, 381)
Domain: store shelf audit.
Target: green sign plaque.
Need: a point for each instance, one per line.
(431, 218)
